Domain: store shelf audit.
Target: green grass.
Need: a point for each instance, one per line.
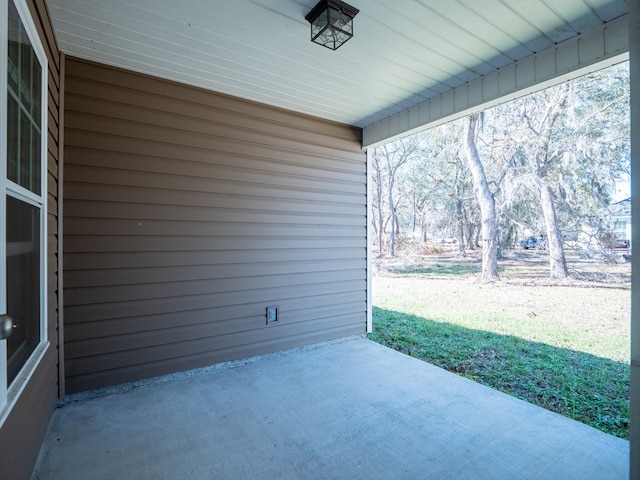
(562, 347)
(437, 269)
(590, 389)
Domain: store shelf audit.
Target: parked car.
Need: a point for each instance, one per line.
(619, 243)
(529, 242)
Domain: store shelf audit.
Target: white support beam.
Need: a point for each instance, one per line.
(577, 56)
(634, 406)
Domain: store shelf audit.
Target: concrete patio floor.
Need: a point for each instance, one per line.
(348, 409)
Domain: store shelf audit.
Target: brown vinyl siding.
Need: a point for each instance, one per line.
(23, 430)
(187, 213)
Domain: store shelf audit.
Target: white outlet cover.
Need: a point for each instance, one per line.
(272, 314)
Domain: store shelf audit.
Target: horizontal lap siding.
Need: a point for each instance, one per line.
(187, 213)
(23, 430)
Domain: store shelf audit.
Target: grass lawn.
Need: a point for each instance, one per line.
(561, 345)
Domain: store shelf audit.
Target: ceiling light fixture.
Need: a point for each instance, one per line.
(331, 23)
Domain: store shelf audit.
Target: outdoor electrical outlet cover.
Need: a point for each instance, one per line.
(272, 315)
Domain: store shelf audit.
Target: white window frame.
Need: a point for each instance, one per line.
(9, 395)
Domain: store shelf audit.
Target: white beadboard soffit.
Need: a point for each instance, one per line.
(405, 54)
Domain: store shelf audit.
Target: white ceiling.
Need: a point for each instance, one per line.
(404, 52)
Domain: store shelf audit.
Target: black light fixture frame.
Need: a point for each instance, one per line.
(323, 7)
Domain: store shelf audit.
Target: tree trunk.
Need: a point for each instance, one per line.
(557, 260)
(460, 217)
(509, 241)
(392, 233)
(558, 105)
(486, 203)
(471, 236)
(460, 222)
(423, 226)
(415, 213)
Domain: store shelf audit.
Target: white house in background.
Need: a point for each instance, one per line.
(621, 219)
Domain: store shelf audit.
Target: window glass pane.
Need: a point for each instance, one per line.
(14, 48)
(36, 173)
(36, 87)
(25, 72)
(22, 282)
(29, 175)
(13, 138)
(25, 149)
(25, 106)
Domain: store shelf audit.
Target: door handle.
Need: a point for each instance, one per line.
(6, 326)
